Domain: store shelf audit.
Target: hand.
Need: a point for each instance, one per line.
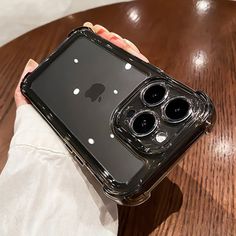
(101, 31)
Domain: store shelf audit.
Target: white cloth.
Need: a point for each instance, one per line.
(42, 190)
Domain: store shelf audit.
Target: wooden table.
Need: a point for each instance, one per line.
(195, 42)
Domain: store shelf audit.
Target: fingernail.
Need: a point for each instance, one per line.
(88, 24)
(31, 63)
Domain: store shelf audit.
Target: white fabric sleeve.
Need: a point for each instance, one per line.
(42, 190)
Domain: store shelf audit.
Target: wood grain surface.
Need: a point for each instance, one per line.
(193, 41)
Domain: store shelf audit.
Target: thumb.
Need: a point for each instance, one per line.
(19, 98)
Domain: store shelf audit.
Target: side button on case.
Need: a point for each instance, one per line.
(73, 153)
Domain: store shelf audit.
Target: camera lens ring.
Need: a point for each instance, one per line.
(138, 114)
(143, 92)
(178, 120)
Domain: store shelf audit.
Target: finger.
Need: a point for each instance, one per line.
(19, 98)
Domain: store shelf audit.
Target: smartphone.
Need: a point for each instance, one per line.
(123, 119)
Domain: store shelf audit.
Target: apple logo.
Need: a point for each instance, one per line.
(95, 92)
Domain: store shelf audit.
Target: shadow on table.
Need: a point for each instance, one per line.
(166, 199)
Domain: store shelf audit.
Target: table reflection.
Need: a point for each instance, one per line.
(203, 6)
(199, 59)
(134, 15)
(225, 148)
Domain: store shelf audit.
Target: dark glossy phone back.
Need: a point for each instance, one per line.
(89, 91)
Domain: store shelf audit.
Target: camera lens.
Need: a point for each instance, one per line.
(177, 109)
(144, 123)
(154, 94)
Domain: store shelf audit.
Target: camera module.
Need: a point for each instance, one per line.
(143, 123)
(177, 109)
(153, 94)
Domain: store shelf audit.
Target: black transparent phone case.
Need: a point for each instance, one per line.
(90, 91)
